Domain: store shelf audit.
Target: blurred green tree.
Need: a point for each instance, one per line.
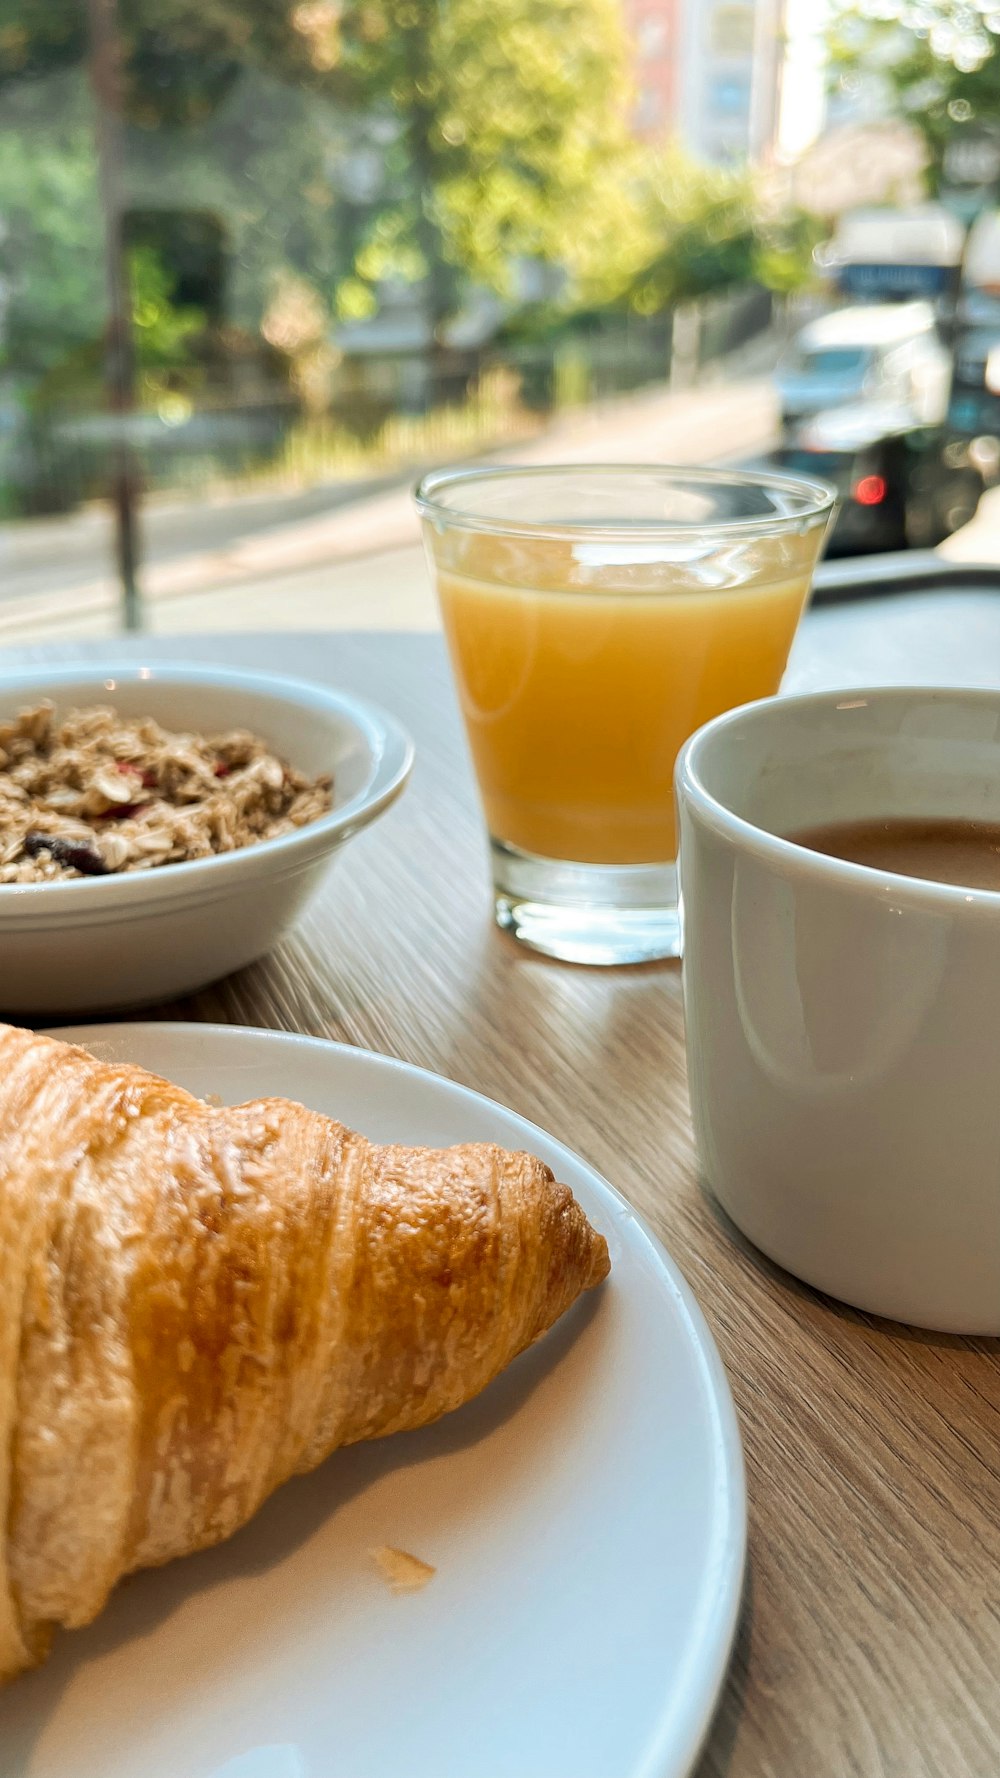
(706, 229)
(701, 220)
(51, 261)
(935, 63)
(503, 139)
(341, 149)
(349, 145)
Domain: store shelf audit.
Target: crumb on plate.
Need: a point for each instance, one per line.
(402, 1572)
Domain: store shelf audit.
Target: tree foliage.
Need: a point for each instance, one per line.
(51, 258)
(345, 148)
(701, 219)
(353, 146)
(934, 62)
(504, 138)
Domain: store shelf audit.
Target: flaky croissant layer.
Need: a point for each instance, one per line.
(198, 1302)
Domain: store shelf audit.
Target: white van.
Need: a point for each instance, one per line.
(884, 254)
(885, 352)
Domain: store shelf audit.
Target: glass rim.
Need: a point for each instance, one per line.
(818, 498)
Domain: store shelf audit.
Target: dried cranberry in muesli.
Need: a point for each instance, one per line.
(98, 793)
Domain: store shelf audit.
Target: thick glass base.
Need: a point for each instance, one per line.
(587, 913)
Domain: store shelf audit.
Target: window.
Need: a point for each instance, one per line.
(652, 38)
(833, 361)
(249, 272)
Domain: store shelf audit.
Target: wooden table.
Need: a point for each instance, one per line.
(870, 1637)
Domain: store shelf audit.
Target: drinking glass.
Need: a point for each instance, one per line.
(596, 615)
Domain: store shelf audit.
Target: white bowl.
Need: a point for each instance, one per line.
(126, 940)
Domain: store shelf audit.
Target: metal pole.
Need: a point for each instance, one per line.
(106, 83)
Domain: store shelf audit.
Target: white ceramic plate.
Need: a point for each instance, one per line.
(586, 1517)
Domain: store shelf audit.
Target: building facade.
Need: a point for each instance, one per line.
(655, 29)
(731, 78)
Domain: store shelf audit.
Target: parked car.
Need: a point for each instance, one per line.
(901, 486)
(974, 407)
(878, 352)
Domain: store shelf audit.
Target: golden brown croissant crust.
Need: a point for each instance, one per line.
(198, 1302)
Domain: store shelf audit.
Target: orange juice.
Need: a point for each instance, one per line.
(578, 697)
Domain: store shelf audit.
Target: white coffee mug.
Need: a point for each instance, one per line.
(843, 1023)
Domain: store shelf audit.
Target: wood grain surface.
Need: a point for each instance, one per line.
(869, 1642)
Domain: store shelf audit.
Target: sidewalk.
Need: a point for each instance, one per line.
(360, 566)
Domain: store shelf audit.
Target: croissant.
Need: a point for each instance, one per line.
(198, 1302)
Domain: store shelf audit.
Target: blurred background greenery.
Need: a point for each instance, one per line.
(337, 220)
(254, 241)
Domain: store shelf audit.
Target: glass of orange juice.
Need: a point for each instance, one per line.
(596, 615)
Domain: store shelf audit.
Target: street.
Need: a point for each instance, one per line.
(347, 555)
(340, 556)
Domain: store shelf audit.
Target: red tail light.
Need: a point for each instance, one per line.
(871, 490)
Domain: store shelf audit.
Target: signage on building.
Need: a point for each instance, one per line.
(874, 280)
